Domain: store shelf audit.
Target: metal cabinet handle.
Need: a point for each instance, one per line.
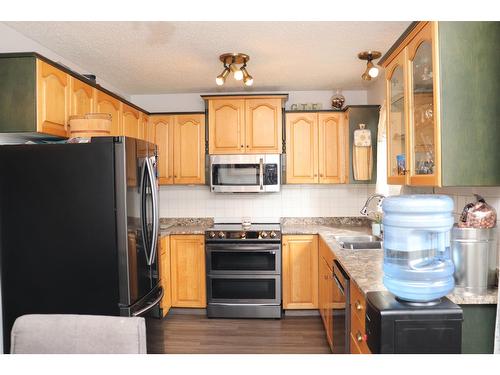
(358, 306)
(359, 336)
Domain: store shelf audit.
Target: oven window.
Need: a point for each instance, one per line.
(235, 174)
(243, 261)
(238, 289)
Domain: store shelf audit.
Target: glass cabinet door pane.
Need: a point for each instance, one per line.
(423, 111)
(397, 125)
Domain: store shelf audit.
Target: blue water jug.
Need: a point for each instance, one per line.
(417, 255)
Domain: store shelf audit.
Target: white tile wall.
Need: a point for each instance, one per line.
(293, 200)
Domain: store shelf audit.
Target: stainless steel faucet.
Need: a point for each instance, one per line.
(364, 210)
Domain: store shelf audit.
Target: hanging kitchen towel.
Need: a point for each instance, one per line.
(362, 157)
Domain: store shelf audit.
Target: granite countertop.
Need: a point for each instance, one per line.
(365, 266)
(183, 229)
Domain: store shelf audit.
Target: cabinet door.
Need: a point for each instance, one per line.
(300, 272)
(226, 123)
(53, 99)
(263, 126)
(164, 270)
(150, 131)
(188, 271)
(164, 128)
(189, 149)
(82, 98)
(397, 124)
(301, 148)
(326, 306)
(130, 121)
(107, 104)
(332, 148)
(423, 117)
(143, 125)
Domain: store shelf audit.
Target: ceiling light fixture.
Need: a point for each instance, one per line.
(236, 63)
(371, 70)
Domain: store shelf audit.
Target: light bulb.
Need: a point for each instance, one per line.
(238, 75)
(247, 78)
(372, 70)
(221, 78)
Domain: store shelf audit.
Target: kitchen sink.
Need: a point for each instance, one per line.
(361, 245)
(360, 238)
(359, 242)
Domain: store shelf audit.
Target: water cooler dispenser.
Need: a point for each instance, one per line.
(415, 316)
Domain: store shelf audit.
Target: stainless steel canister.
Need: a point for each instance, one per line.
(475, 254)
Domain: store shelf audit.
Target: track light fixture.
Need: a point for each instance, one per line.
(236, 63)
(371, 70)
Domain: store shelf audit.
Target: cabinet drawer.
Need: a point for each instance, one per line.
(354, 348)
(358, 334)
(358, 306)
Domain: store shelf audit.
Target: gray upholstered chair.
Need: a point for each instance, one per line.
(78, 334)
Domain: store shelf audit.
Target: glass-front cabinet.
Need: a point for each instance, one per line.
(412, 122)
(423, 119)
(396, 122)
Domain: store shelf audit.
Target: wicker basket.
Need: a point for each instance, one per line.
(90, 125)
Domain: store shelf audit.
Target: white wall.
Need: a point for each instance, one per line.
(13, 41)
(376, 89)
(193, 101)
(292, 200)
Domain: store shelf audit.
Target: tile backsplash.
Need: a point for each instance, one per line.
(292, 200)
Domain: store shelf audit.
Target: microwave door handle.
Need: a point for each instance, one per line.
(261, 173)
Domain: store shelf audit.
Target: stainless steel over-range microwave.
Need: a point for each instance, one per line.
(245, 173)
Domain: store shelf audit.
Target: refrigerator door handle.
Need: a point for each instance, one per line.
(149, 305)
(156, 219)
(143, 208)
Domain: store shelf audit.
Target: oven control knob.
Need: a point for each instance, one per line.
(243, 235)
(272, 234)
(211, 235)
(263, 234)
(222, 234)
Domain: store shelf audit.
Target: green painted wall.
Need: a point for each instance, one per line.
(469, 55)
(17, 94)
(364, 114)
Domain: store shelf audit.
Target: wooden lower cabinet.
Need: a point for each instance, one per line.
(164, 271)
(188, 281)
(325, 281)
(358, 312)
(300, 272)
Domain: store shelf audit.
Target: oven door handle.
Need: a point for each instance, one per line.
(238, 248)
(261, 173)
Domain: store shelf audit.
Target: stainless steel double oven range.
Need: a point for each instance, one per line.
(243, 271)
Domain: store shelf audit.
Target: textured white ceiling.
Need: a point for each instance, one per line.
(166, 57)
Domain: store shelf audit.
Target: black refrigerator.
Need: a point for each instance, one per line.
(79, 229)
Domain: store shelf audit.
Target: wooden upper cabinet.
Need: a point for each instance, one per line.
(143, 126)
(263, 124)
(424, 123)
(300, 272)
(332, 148)
(302, 148)
(226, 126)
(163, 125)
(189, 149)
(82, 98)
(107, 104)
(397, 121)
(188, 278)
(130, 121)
(53, 99)
(149, 131)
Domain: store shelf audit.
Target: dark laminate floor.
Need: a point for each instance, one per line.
(179, 334)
